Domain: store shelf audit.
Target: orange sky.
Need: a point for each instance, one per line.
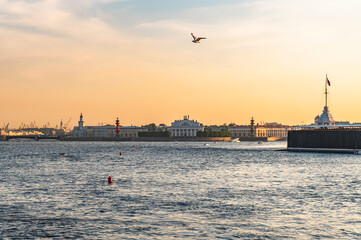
(261, 59)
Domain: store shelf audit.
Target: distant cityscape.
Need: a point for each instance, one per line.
(183, 129)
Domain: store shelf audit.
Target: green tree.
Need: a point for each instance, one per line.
(224, 127)
(151, 127)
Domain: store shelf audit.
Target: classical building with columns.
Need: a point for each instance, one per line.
(185, 128)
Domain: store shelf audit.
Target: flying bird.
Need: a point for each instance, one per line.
(195, 39)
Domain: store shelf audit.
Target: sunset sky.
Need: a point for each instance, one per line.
(134, 59)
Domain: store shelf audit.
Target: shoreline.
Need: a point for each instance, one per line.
(156, 139)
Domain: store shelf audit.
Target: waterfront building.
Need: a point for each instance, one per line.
(25, 132)
(80, 131)
(185, 128)
(131, 132)
(265, 130)
(325, 118)
(106, 131)
(109, 131)
(272, 130)
(3, 132)
(240, 131)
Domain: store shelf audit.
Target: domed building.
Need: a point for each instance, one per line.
(325, 118)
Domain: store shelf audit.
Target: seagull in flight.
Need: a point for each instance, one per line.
(195, 39)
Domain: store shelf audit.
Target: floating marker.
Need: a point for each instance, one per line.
(120, 153)
(110, 180)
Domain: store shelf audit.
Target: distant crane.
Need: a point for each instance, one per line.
(33, 124)
(66, 125)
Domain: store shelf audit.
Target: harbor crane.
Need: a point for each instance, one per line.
(6, 127)
(66, 125)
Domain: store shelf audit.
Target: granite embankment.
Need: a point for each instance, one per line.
(155, 139)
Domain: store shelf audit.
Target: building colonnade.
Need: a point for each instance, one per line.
(182, 132)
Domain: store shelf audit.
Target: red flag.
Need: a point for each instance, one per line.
(328, 81)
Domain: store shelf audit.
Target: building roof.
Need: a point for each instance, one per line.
(185, 123)
(325, 118)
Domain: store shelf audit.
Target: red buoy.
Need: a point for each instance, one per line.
(120, 153)
(110, 180)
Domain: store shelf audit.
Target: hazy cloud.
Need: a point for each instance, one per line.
(54, 16)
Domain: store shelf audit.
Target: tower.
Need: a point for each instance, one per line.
(252, 127)
(117, 129)
(326, 117)
(81, 122)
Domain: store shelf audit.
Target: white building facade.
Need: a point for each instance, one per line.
(80, 130)
(185, 128)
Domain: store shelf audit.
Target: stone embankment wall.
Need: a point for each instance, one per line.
(338, 139)
(261, 139)
(156, 139)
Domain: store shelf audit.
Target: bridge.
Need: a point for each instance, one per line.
(35, 137)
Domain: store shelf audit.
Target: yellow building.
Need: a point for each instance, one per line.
(266, 130)
(272, 131)
(24, 133)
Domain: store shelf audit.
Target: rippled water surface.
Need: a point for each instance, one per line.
(176, 190)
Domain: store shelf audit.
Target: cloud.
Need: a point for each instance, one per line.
(54, 17)
(48, 41)
(175, 25)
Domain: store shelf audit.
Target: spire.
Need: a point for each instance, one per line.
(81, 122)
(117, 127)
(326, 117)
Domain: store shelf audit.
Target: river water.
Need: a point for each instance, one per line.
(176, 190)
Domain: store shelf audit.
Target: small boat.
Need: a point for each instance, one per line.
(234, 140)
